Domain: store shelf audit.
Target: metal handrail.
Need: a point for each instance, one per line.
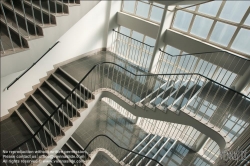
(132, 38)
(204, 53)
(103, 135)
(13, 82)
(79, 83)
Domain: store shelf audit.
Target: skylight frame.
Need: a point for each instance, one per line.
(151, 4)
(215, 19)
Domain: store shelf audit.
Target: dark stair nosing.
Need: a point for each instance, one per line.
(43, 11)
(61, 111)
(66, 156)
(73, 79)
(29, 128)
(65, 85)
(79, 146)
(73, 151)
(59, 93)
(39, 121)
(58, 3)
(20, 13)
(52, 102)
(46, 112)
(59, 161)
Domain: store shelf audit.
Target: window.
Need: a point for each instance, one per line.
(225, 24)
(241, 42)
(222, 33)
(210, 8)
(182, 20)
(247, 22)
(201, 26)
(135, 50)
(144, 9)
(234, 10)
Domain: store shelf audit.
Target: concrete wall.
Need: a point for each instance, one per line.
(22, 60)
(86, 35)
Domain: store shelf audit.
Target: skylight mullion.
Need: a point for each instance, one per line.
(215, 21)
(238, 28)
(136, 3)
(192, 20)
(149, 12)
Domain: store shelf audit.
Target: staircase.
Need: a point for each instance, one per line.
(41, 105)
(73, 153)
(26, 20)
(59, 101)
(152, 146)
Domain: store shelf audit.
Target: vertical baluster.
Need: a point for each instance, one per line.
(50, 132)
(41, 11)
(55, 3)
(45, 135)
(49, 11)
(62, 7)
(33, 15)
(2, 49)
(35, 147)
(54, 122)
(22, 155)
(41, 143)
(28, 151)
(19, 33)
(25, 19)
(68, 115)
(71, 106)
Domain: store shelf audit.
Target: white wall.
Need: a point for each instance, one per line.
(22, 60)
(86, 35)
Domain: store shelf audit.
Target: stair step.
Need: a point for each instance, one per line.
(64, 159)
(63, 91)
(55, 162)
(71, 83)
(61, 118)
(53, 6)
(40, 116)
(71, 155)
(34, 125)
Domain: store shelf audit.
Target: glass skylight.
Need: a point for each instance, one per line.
(210, 8)
(247, 22)
(182, 20)
(201, 26)
(222, 23)
(129, 6)
(241, 42)
(156, 14)
(234, 10)
(222, 33)
(144, 9)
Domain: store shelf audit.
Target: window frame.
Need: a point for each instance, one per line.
(215, 19)
(151, 4)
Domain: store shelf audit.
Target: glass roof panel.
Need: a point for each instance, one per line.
(234, 10)
(142, 9)
(242, 40)
(129, 6)
(247, 22)
(182, 20)
(201, 26)
(210, 8)
(222, 33)
(156, 14)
